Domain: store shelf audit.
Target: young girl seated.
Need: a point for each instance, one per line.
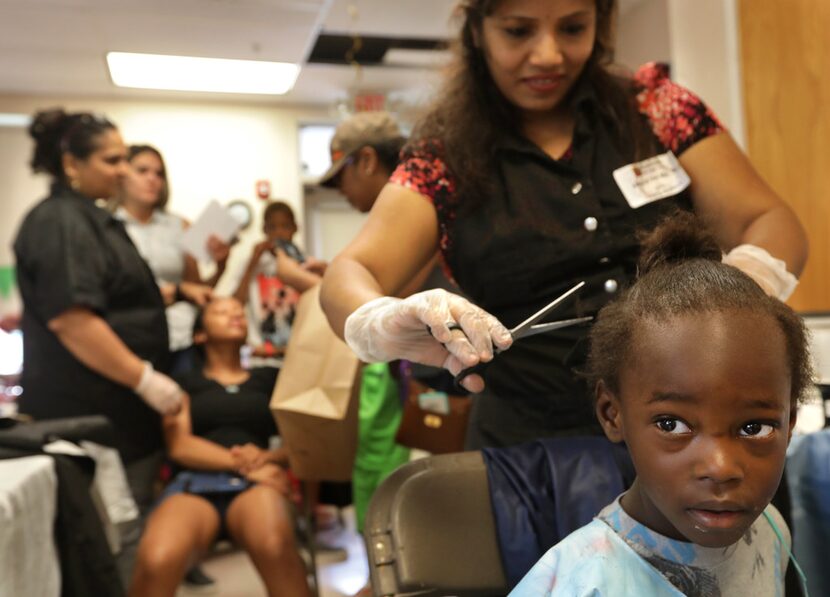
(230, 483)
(699, 372)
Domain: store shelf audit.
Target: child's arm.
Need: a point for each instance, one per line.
(241, 293)
(295, 275)
(191, 269)
(316, 266)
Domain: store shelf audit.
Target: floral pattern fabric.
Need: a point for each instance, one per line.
(678, 117)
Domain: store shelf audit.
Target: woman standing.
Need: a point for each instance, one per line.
(94, 331)
(535, 170)
(157, 235)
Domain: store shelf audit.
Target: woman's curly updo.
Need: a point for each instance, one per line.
(56, 132)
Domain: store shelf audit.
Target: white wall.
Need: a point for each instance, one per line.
(212, 150)
(705, 56)
(331, 223)
(699, 39)
(643, 34)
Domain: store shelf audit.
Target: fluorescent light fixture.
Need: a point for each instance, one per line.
(12, 120)
(189, 73)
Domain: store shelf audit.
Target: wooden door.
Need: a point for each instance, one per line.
(785, 49)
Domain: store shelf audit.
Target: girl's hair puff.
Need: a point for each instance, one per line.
(680, 272)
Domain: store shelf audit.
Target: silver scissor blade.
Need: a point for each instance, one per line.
(541, 328)
(516, 332)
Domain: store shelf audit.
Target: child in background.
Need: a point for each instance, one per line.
(273, 281)
(699, 372)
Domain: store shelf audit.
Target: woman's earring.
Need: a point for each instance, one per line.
(75, 183)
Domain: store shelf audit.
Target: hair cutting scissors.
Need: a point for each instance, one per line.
(529, 327)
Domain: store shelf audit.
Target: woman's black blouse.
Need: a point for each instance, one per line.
(232, 415)
(71, 253)
(543, 226)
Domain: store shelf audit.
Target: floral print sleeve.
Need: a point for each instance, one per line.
(422, 170)
(678, 117)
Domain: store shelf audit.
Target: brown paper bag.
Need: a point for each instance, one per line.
(316, 398)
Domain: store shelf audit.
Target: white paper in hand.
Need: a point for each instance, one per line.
(215, 220)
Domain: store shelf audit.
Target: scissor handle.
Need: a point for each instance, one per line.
(475, 369)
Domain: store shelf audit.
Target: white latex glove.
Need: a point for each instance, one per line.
(770, 273)
(416, 329)
(159, 391)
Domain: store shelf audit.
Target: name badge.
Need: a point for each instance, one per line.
(651, 180)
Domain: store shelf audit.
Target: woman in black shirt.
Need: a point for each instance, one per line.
(93, 319)
(534, 170)
(93, 324)
(231, 483)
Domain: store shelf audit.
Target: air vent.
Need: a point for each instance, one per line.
(371, 51)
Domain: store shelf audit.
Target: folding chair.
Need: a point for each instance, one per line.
(408, 557)
(431, 526)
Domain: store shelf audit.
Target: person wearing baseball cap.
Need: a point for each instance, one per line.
(364, 153)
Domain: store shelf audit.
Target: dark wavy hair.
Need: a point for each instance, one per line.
(681, 272)
(56, 132)
(164, 194)
(470, 111)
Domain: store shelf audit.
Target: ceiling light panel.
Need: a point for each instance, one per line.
(188, 73)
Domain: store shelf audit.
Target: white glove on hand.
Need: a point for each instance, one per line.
(159, 391)
(770, 273)
(390, 328)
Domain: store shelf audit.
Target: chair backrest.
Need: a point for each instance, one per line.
(427, 522)
(31, 436)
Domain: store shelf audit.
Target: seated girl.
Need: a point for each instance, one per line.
(699, 372)
(229, 484)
